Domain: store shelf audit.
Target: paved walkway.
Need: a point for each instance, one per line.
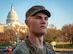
(63, 50)
(60, 53)
(2, 48)
(5, 52)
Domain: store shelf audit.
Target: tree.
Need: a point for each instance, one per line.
(51, 35)
(12, 33)
(67, 32)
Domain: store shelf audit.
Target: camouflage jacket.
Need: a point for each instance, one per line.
(27, 48)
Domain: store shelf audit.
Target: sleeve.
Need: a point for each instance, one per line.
(21, 49)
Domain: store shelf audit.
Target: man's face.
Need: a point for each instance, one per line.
(38, 23)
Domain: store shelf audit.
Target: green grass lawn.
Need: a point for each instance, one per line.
(5, 44)
(64, 46)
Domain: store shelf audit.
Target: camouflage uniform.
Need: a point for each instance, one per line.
(27, 48)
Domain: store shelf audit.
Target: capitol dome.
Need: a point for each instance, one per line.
(12, 17)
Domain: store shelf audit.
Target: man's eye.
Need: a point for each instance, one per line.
(46, 18)
(38, 17)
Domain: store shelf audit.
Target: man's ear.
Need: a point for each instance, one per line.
(27, 22)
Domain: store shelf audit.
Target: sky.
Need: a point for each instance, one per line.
(61, 10)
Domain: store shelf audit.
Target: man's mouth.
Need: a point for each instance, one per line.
(43, 27)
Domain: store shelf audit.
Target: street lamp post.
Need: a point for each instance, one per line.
(17, 40)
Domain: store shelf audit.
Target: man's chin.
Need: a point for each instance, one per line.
(40, 33)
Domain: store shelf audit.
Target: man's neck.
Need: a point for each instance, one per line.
(36, 41)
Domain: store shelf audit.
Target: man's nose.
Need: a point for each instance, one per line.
(43, 21)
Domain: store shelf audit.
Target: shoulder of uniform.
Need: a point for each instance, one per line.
(49, 45)
(21, 48)
(50, 49)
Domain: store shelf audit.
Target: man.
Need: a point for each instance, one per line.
(37, 21)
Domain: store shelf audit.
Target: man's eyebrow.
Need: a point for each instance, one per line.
(28, 18)
(41, 16)
(38, 16)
